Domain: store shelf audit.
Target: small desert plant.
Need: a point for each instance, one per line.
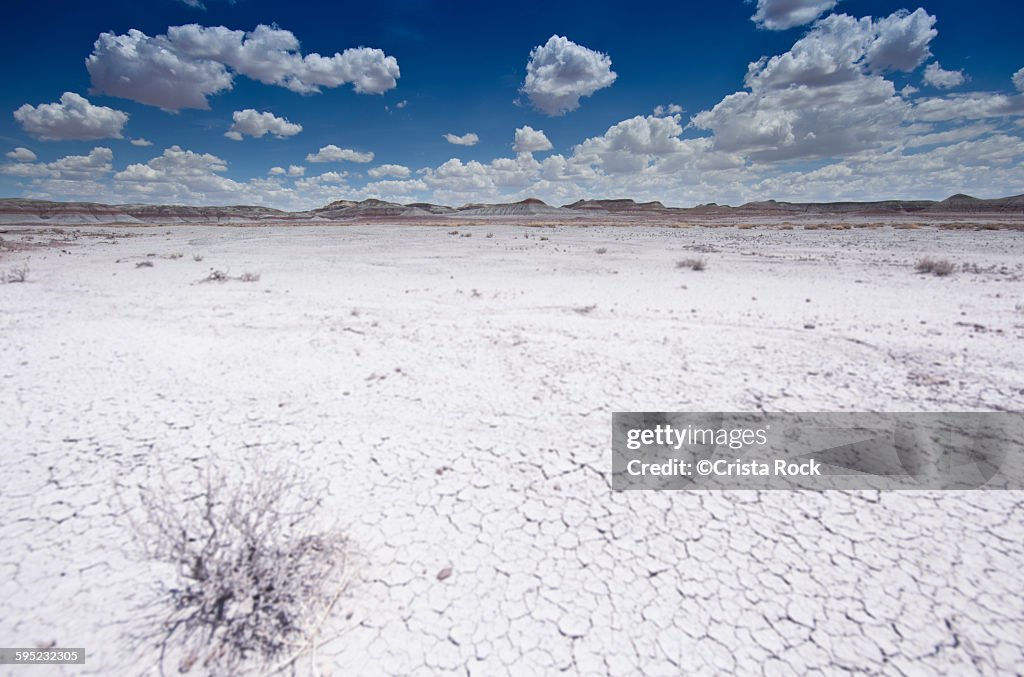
(197, 257)
(585, 310)
(937, 267)
(216, 276)
(601, 250)
(15, 275)
(253, 577)
(175, 256)
(489, 235)
(249, 277)
(693, 264)
(144, 264)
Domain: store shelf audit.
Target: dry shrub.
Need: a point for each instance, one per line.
(601, 250)
(197, 257)
(697, 264)
(249, 277)
(216, 276)
(254, 578)
(15, 275)
(144, 264)
(937, 267)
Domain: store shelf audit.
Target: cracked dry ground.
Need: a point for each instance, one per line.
(455, 393)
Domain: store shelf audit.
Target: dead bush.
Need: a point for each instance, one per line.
(937, 267)
(15, 275)
(254, 579)
(216, 276)
(601, 250)
(693, 264)
(144, 264)
(249, 277)
(197, 257)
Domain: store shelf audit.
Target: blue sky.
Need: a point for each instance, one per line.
(862, 100)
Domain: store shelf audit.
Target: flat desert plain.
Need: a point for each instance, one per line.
(452, 392)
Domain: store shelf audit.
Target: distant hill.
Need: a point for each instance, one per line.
(41, 212)
(617, 206)
(527, 207)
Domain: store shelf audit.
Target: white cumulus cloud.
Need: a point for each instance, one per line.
(560, 72)
(181, 68)
(293, 171)
(20, 154)
(900, 41)
(469, 139)
(73, 118)
(141, 142)
(778, 15)
(827, 95)
(251, 122)
(970, 106)
(530, 140)
(332, 153)
(670, 109)
(936, 76)
(1018, 80)
(399, 171)
(66, 170)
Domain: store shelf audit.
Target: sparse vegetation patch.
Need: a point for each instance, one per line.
(697, 264)
(14, 275)
(937, 267)
(254, 577)
(222, 276)
(216, 276)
